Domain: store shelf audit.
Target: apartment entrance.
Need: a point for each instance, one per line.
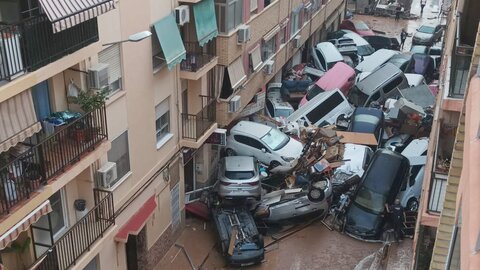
(131, 251)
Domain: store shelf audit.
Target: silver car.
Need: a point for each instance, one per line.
(239, 177)
(427, 34)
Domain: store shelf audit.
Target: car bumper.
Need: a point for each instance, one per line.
(226, 193)
(369, 237)
(422, 42)
(245, 258)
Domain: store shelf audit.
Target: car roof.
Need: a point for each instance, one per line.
(335, 77)
(255, 129)
(332, 53)
(418, 49)
(365, 126)
(239, 163)
(414, 79)
(416, 147)
(369, 84)
(376, 59)
(360, 41)
(383, 168)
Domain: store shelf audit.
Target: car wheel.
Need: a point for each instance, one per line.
(274, 164)
(412, 205)
(316, 194)
(229, 152)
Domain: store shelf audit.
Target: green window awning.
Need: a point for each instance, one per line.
(205, 21)
(170, 40)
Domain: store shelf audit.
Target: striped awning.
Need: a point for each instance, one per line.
(67, 13)
(24, 224)
(18, 120)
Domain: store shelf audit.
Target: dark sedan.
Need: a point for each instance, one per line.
(380, 185)
(368, 120)
(383, 42)
(422, 64)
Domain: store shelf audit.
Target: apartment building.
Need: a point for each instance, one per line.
(87, 184)
(447, 204)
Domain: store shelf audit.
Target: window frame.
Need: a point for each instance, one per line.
(270, 44)
(123, 157)
(162, 113)
(223, 10)
(116, 81)
(294, 21)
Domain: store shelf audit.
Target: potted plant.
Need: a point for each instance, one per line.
(20, 248)
(88, 101)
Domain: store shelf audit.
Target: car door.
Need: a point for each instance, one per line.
(321, 60)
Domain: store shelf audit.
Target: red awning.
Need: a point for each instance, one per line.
(137, 221)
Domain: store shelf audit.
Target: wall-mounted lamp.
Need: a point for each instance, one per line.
(132, 38)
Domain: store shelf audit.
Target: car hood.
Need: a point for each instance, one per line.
(362, 223)
(420, 35)
(292, 149)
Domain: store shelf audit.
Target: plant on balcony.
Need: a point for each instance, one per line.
(20, 248)
(88, 101)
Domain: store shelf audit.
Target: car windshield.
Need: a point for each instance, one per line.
(314, 91)
(365, 50)
(426, 29)
(275, 139)
(370, 200)
(359, 25)
(283, 112)
(357, 97)
(366, 118)
(239, 175)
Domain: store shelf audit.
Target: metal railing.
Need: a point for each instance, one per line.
(32, 44)
(81, 236)
(195, 125)
(26, 173)
(197, 57)
(438, 188)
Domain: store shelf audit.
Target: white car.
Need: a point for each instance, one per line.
(416, 152)
(268, 144)
(325, 55)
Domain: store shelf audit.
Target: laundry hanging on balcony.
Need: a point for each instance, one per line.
(67, 13)
(205, 21)
(170, 40)
(18, 120)
(13, 233)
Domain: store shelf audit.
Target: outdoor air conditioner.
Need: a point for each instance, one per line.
(98, 76)
(297, 41)
(182, 14)
(234, 104)
(243, 34)
(108, 174)
(269, 67)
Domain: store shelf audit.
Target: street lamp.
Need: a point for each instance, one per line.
(132, 38)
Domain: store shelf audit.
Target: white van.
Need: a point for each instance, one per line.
(416, 152)
(323, 109)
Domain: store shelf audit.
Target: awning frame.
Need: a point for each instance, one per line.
(170, 23)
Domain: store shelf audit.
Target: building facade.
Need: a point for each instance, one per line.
(94, 183)
(440, 243)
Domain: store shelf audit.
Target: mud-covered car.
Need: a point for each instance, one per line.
(237, 222)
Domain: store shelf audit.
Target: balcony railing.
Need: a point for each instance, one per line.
(197, 57)
(31, 44)
(195, 125)
(30, 170)
(81, 236)
(438, 188)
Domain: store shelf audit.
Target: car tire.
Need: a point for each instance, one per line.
(412, 205)
(316, 194)
(274, 164)
(229, 152)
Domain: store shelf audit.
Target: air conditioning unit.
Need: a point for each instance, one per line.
(243, 34)
(269, 67)
(182, 14)
(234, 104)
(108, 174)
(98, 76)
(297, 41)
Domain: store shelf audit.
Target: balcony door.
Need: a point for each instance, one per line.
(41, 100)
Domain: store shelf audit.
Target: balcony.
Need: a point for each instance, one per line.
(199, 60)
(197, 127)
(23, 174)
(81, 236)
(31, 44)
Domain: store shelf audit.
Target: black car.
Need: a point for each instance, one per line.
(248, 248)
(382, 42)
(380, 185)
(422, 64)
(368, 120)
(401, 60)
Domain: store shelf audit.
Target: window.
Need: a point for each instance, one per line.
(92, 265)
(255, 59)
(269, 48)
(229, 14)
(282, 35)
(162, 122)
(158, 58)
(295, 23)
(120, 155)
(249, 141)
(391, 85)
(321, 59)
(57, 216)
(275, 139)
(253, 6)
(111, 56)
(324, 108)
(270, 109)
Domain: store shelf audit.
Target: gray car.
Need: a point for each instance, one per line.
(239, 177)
(427, 34)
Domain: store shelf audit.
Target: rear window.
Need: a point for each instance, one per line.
(236, 175)
(365, 50)
(392, 85)
(324, 108)
(314, 91)
(426, 29)
(357, 97)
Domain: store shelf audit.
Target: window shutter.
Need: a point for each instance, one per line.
(253, 5)
(255, 58)
(111, 56)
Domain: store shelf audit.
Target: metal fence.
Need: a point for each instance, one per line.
(438, 188)
(195, 125)
(23, 175)
(197, 57)
(32, 44)
(81, 236)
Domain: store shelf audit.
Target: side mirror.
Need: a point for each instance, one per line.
(264, 150)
